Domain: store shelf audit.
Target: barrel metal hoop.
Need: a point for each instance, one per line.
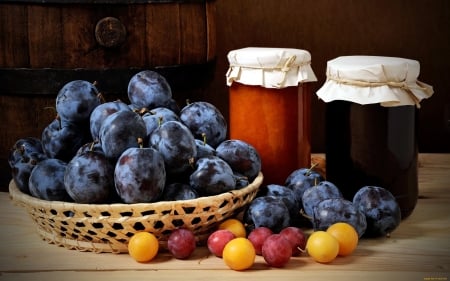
(48, 81)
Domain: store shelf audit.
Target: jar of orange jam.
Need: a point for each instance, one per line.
(270, 107)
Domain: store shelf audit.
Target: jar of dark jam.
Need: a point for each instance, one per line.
(371, 125)
(270, 107)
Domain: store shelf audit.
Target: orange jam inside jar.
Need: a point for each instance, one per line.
(270, 107)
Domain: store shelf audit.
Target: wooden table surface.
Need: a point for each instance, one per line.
(418, 250)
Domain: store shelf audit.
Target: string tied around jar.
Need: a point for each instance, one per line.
(234, 70)
(394, 84)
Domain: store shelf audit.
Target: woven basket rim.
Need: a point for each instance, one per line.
(93, 227)
(29, 201)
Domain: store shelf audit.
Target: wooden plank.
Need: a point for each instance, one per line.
(194, 33)
(13, 36)
(163, 34)
(78, 38)
(211, 30)
(133, 51)
(45, 35)
(418, 247)
(219, 275)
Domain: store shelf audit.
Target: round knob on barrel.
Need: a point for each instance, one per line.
(110, 32)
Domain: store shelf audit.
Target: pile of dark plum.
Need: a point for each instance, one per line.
(149, 150)
(152, 150)
(308, 200)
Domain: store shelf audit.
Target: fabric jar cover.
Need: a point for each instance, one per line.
(269, 67)
(390, 81)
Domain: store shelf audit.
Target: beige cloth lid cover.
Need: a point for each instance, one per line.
(389, 81)
(269, 67)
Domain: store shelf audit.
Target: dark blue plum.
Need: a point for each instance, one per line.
(140, 175)
(22, 148)
(300, 180)
(149, 89)
(157, 116)
(100, 113)
(241, 180)
(90, 146)
(62, 141)
(380, 208)
(205, 121)
(177, 146)
(178, 191)
(267, 211)
(120, 131)
(89, 178)
(287, 195)
(165, 113)
(21, 170)
(331, 211)
(76, 100)
(314, 195)
(23, 156)
(47, 180)
(135, 108)
(204, 149)
(173, 106)
(212, 176)
(241, 156)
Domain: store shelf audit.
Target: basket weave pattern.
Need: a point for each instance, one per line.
(108, 227)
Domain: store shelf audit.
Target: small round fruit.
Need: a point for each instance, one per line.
(257, 236)
(181, 243)
(143, 246)
(239, 254)
(322, 246)
(346, 235)
(217, 241)
(277, 250)
(235, 226)
(296, 237)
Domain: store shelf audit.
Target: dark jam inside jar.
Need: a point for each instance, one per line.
(373, 145)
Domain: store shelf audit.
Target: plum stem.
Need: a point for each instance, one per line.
(21, 149)
(144, 110)
(59, 121)
(51, 107)
(101, 97)
(310, 169)
(302, 212)
(91, 147)
(160, 121)
(301, 250)
(140, 142)
(204, 138)
(191, 162)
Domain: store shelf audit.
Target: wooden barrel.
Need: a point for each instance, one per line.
(45, 44)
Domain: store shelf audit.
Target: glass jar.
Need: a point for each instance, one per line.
(371, 125)
(270, 107)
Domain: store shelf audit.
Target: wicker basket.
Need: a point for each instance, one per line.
(108, 227)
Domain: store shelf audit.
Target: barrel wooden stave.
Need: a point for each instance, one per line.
(62, 37)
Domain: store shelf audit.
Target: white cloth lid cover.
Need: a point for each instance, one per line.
(390, 81)
(269, 67)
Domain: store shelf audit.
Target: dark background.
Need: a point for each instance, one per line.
(414, 29)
